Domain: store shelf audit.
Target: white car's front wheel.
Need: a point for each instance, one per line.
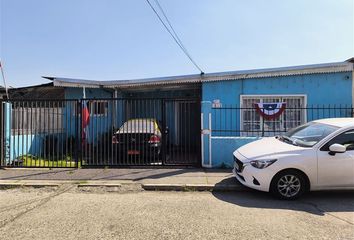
(289, 184)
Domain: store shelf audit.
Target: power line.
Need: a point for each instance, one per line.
(173, 33)
(169, 23)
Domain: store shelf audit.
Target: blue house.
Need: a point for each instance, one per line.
(310, 92)
(205, 117)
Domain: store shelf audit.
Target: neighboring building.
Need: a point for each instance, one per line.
(212, 113)
(2, 92)
(42, 91)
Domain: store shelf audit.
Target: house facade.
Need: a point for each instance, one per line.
(203, 118)
(309, 92)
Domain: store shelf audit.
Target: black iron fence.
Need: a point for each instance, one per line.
(39, 133)
(131, 132)
(99, 132)
(232, 120)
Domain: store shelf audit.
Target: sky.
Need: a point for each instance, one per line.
(123, 39)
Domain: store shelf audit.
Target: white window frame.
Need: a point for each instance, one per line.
(92, 106)
(90, 103)
(243, 96)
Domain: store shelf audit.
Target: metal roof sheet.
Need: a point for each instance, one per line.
(345, 66)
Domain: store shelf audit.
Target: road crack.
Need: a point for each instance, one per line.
(38, 202)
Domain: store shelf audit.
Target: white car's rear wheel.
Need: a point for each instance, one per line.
(288, 184)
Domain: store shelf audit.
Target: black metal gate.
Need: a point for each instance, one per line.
(100, 132)
(141, 132)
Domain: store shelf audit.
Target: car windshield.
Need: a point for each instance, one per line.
(138, 126)
(307, 135)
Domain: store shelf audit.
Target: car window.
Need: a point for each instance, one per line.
(309, 134)
(346, 139)
(138, 125)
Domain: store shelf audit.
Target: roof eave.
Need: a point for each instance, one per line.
(345, 66)
(333, 69)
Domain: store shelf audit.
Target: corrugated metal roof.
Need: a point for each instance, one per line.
(345, 66)
(42, 91)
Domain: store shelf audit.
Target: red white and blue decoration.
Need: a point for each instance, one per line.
(85, 118)
(270, 111)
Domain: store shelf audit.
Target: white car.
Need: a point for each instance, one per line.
(318, 155)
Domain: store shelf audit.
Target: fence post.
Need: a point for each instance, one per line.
(2, 135)
(206, 141)
(78, 127)
(163, 119)
(6, 135)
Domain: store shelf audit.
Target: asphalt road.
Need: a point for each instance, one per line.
(69, 213)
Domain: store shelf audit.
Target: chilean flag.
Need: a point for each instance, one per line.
(270, 110)
(85, 120)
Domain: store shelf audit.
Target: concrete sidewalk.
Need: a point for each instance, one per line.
(150, 179)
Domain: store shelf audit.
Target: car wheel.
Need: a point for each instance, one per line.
(288, 185)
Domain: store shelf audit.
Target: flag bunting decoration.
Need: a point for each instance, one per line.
(270, 111)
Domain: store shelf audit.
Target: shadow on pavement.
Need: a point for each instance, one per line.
(138, 175)
(317, 203)
(22, 174)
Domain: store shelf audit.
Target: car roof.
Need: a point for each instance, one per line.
(142, 119)
(338, 122)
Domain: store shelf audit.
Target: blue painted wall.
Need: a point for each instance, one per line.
(223, 147)
(330, 88)
(77, 93)
(35, 145)
(100, 126)
(320, 90)
(21, 145)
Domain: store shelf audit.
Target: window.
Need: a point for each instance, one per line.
(98, 108)
(346, 139)
(252, 122)
(95, 108)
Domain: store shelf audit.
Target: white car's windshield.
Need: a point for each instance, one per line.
(138, 126)
(307, 135)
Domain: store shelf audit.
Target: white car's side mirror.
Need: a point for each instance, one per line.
(336, 148)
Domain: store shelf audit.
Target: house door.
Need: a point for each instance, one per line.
(183, 132)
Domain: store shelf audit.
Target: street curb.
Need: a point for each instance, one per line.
(99, 185)
(54, 183)
(146, 186)
(34, 185)
(38, 168)
(194, 187)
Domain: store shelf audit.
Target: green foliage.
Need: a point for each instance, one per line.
(34, 161)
